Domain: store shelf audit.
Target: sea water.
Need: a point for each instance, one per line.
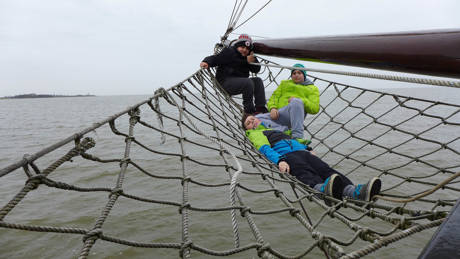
(29, 125)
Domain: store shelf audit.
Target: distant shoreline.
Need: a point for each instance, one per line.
(28, 96)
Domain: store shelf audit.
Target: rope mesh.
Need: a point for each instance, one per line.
(186, 162)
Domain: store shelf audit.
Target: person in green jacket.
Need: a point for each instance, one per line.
(294, 158)
(297, 87)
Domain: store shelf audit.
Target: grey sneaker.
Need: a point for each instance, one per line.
(366, 192)
(333, 186)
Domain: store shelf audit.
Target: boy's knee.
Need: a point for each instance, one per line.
(257, 80)
(296, 101)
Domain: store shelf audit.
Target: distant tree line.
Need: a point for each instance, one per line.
(33, 95)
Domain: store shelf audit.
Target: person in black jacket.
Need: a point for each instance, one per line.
(233, 73)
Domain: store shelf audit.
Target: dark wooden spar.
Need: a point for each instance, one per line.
(434, 53)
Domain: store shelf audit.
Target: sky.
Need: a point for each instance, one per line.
(114, 47)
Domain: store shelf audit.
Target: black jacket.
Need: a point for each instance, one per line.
(230, 63)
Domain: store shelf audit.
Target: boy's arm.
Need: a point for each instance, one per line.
(222, 58)
(311, 102)
(273, 101)
(261, 143)
(254, 68)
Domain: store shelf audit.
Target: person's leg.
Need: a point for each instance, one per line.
(322, 168)
(302, 170)
(259, 94)
(363, 192)
(292, 116)
(240, 85)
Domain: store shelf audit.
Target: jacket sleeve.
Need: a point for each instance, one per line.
(273, 102)
(222, 58)
(269, 153)
(254, 68)
(311, 102)
(261, 143)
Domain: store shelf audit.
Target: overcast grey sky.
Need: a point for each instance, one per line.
(113, 47)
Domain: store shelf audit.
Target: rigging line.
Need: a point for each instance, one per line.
(239, 15)
(252, 35)
(232, 15)
(260, 9)
(421, 195)
(374, 76)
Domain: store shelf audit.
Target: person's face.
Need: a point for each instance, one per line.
(251, 122)
(243, 50)
(297, 76)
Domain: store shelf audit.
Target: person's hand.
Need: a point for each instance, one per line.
(274, 114)
(204, 65)
(251, 58)
(284, 167)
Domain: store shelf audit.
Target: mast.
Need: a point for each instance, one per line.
(435, 53)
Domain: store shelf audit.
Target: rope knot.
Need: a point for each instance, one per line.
(372, 213)
(185, 206)
(186, 245)
(36, 180)
(117, 191)
(244, 210)
(126, 160)
(262, 249)
(294, 211)
(331, 211)
(277, 193)
(185, 179)
(129, 138)
(364, 234)
(93, 234)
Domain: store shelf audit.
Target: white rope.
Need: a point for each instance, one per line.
(375, 76)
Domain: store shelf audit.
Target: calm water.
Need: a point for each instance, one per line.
(29, 125)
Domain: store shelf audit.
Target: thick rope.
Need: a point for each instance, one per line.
(426, 81)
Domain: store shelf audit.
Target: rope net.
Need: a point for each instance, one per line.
(179, 165)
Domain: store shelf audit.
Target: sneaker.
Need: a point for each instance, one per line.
(366, 192)
(332, 187)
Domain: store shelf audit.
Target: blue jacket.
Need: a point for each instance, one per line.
(274, 144)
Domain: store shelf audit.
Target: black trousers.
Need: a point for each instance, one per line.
(251, 88)
(310, 169)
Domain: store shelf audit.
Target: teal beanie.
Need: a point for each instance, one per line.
(303, 71)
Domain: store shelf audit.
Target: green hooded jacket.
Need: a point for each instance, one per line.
(309, 94)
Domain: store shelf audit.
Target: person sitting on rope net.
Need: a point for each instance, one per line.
(297, 87)
(293, 157)
(233, 67)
